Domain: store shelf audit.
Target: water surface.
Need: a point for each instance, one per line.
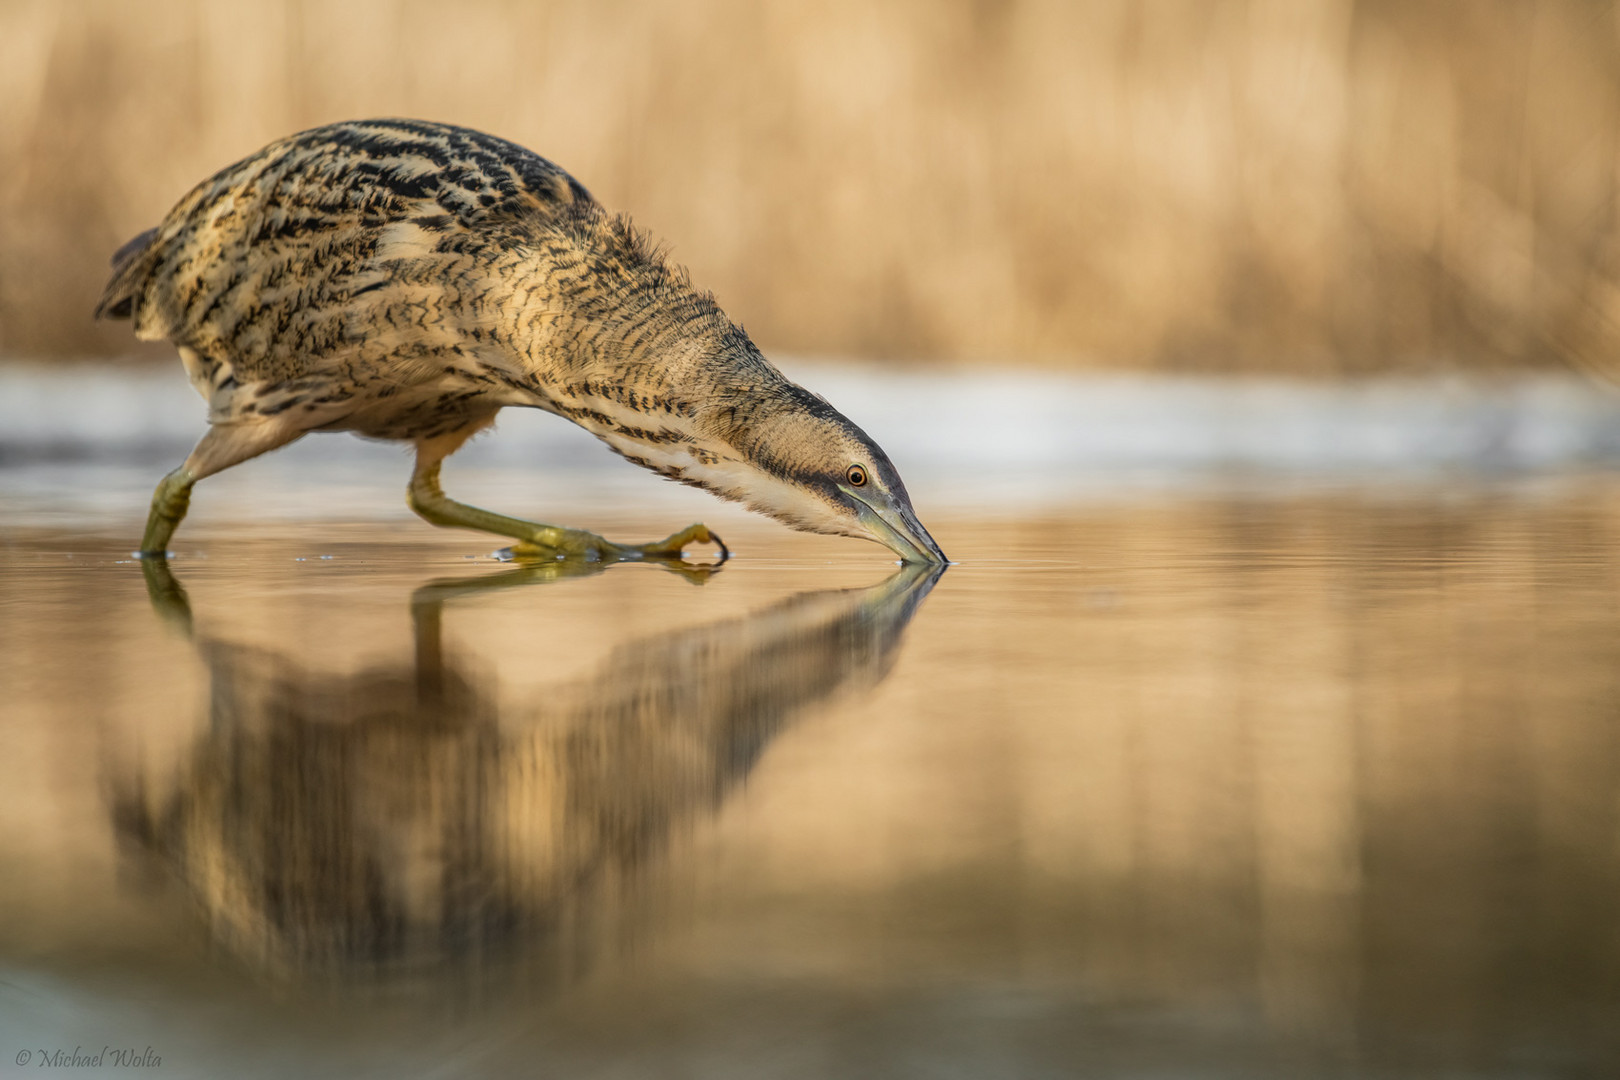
(1193, 784)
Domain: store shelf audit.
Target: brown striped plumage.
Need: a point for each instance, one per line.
(406, 280)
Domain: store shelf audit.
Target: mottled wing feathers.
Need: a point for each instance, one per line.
(271, 263)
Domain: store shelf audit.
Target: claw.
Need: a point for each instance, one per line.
(672, 546)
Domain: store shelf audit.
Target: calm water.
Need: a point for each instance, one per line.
(1202, 785)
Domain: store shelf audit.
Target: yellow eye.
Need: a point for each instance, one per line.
(856, 476)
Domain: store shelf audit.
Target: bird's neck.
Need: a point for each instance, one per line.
(612, 316)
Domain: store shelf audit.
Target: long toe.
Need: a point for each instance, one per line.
(671, 547)
(550, 542)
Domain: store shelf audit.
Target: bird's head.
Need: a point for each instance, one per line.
(799, 460)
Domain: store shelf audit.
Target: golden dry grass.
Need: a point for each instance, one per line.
(1273, 185)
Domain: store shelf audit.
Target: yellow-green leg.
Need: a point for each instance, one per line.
(535, 540)
(224, 445)
(170, 502)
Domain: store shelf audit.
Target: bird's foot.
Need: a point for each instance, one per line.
(670, 547)
(571, 544)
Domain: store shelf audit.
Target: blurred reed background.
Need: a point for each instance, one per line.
(1279, 186)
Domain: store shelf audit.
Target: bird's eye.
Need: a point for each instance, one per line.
(856, 476)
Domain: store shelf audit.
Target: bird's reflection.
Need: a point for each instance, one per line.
(395, 822)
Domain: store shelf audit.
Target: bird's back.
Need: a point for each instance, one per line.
(344, 247)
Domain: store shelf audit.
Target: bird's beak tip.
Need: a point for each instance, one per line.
(926, 545)
(928, 552)
(898, 529)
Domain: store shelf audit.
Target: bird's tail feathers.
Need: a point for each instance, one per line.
(130, 268)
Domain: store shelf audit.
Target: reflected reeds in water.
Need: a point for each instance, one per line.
(396, 822)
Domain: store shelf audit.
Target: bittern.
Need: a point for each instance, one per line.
(407, 280)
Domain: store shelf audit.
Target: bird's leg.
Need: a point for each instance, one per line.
(170, 502)
(224, 445)
(432, 504)
(535, 540)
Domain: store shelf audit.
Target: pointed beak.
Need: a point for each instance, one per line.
(894, 524)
